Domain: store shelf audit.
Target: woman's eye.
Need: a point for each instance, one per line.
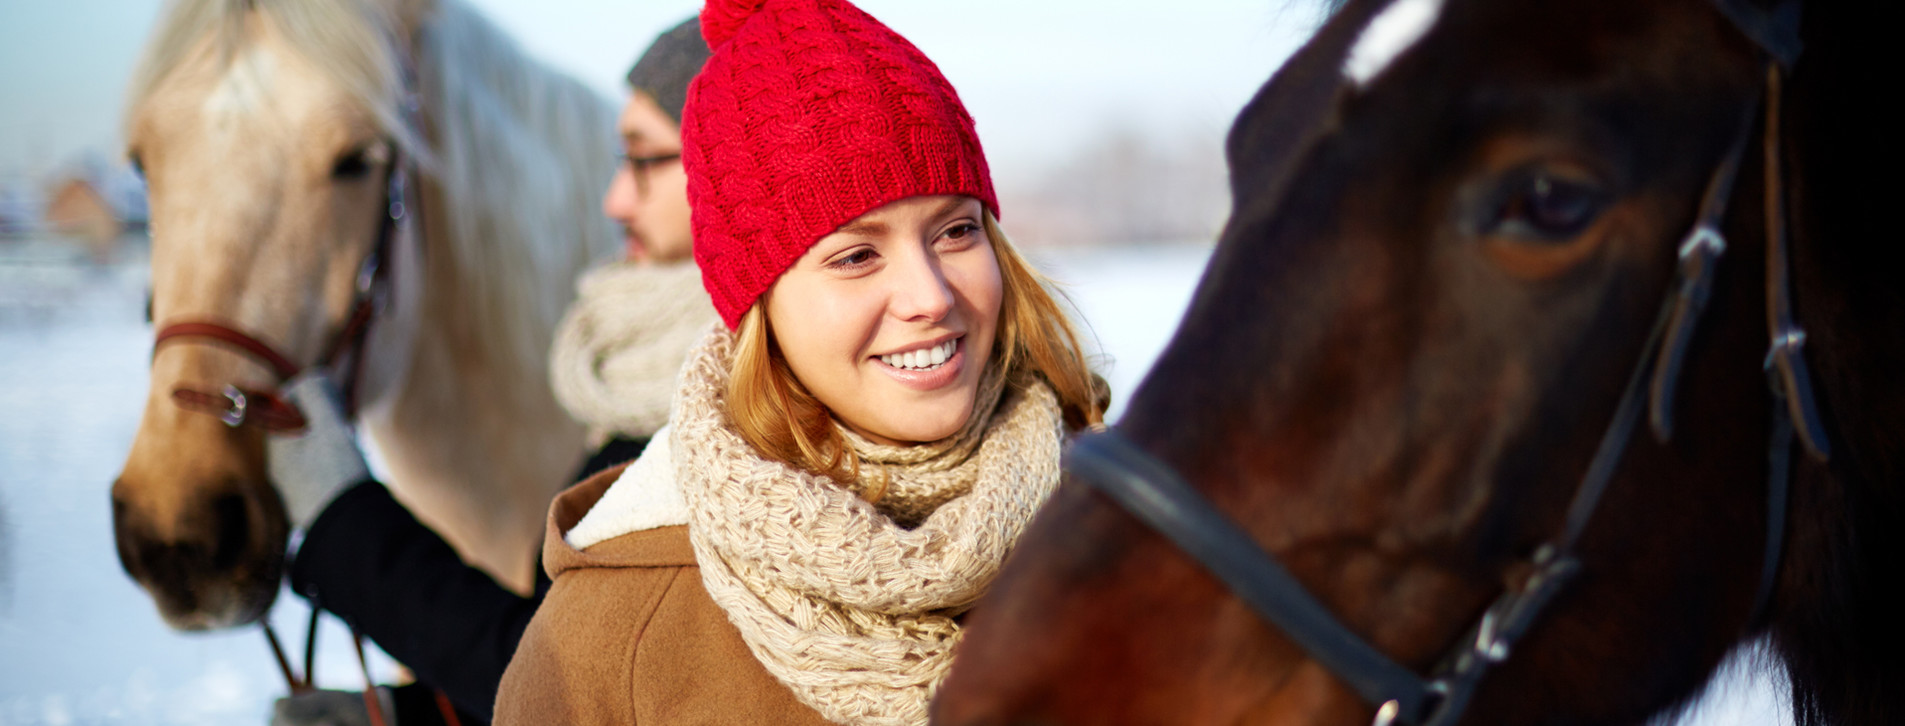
(858, 258)
(962, 233)
(1548, 208)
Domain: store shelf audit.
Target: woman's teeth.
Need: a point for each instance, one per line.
(922, 359)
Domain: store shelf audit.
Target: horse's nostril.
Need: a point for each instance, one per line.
(123, 538)
(233, 521)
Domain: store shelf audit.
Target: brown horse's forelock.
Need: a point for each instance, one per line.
(1327, 288)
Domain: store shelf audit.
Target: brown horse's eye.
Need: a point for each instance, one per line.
(1547, 208)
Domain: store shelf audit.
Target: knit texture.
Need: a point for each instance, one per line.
(838, 597)
(810, 113)
(619, 346)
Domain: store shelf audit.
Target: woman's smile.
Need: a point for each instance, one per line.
(925, 367)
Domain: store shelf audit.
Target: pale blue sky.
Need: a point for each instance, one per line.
(1038, 75)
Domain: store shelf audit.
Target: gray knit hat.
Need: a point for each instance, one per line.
(665, 70)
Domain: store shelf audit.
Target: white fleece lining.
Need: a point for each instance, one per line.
(645, 497)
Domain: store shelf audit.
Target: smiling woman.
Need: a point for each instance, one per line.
(850, 458)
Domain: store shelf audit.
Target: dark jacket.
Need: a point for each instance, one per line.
(367, 560)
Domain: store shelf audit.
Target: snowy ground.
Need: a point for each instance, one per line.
(79, 644)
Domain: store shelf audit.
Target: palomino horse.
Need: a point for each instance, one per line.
(1364, 476)
(275, 136)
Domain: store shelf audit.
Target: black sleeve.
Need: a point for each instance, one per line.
(370, 562)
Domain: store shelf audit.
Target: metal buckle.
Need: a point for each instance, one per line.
(1786, 342)
(395, 193)
(1488, 641)
(1386, 715)
(234, 416)
(1704, 236)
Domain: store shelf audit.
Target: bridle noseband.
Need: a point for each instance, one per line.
(1154, 493)
(240, 406)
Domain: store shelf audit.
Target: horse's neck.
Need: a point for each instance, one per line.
(474, 439)
(1848, 263)
(1840, 631)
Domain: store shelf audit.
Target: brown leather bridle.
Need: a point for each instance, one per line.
(240, 406)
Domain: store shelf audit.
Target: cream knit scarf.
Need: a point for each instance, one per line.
(837, 597)
(621, 343)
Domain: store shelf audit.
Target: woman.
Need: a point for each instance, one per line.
(852, 454)
(363, 555)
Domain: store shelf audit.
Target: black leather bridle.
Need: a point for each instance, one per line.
(1154, 493)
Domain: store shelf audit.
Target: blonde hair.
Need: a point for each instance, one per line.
(1036, 342)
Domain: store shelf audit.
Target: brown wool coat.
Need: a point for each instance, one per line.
(627, 635)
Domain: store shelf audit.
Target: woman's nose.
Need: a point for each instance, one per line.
(921, 291)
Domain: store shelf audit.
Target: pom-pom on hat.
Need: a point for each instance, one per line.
(808, 114)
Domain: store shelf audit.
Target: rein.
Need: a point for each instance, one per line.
(1158, 496)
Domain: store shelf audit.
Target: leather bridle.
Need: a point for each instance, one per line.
(1153, 492)
(343, 355)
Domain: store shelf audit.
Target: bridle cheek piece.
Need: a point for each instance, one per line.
(239, 406)
(1154, 493)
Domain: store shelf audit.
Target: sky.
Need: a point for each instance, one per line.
(1039, 76)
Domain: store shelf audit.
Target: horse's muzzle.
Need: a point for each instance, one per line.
(214, 563)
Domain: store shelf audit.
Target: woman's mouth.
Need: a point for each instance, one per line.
(928, 368)
(923, 359)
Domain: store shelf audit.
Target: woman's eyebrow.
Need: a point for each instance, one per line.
(865, 228)
(877, 228)
(951, 205)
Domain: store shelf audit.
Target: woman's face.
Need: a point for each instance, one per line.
(889, 321)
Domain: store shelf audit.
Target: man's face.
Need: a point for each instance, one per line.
(648, 198)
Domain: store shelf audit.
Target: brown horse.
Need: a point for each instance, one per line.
(1444, 259)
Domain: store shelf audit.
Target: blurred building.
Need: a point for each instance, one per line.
(95, 202)
(1125, 187)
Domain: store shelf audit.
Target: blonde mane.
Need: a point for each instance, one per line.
(520, 168)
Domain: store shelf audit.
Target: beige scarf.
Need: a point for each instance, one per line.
(621, 343)
(850, 608)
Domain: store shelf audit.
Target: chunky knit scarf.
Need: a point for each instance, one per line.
(851, 603)
(621, 343)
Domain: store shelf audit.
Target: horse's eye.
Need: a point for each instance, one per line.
(353, 165)
(138, 166)
(1548, 208)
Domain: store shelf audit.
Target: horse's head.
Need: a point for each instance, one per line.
(1453, 225)
(268, 142)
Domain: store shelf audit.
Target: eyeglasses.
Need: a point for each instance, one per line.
(639, 166)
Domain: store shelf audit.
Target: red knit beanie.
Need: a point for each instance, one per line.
(808, 114)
